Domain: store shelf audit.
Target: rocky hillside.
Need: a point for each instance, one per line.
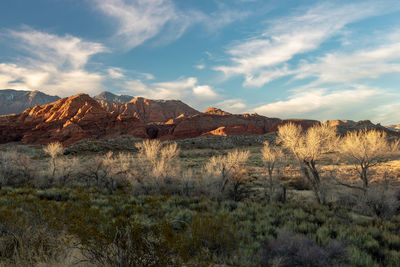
(149, 111)
(15, 101)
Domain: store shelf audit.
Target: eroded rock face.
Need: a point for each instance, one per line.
(211, 124)
(149, 111)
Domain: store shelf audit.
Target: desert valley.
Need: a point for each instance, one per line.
(215, 133)
(126, 181)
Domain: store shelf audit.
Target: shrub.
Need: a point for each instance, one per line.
(290, 250)
(230, 170)
(109, 172)
(158, 167)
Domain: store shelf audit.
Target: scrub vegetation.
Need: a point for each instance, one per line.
(297, 198)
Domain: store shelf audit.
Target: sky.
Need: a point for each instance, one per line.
(288, 59)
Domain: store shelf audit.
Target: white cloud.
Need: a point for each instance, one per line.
(322, 104)
(232, 105)
(53, 64)
(387, 114)
(115, 73)
(363, 64)
(188, 90)
(67, 51)
(147, 76)
(200, 67)
(141, 20)
(204, 92)
(257, 58)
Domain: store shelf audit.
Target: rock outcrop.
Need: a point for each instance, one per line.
(216, 111)
(16, 101)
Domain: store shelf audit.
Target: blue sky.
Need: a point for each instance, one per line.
(289, 59)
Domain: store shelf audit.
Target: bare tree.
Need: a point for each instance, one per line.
(366, 149)
(309, 148)
(68, 168)
(54, 150)
(158, 166)
(231, 168)
(15, 168)
(272, 157)
(159, 160)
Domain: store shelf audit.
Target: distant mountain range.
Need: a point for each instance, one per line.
(110, 97)
(106, 115)
(394, 127)
(15, 101)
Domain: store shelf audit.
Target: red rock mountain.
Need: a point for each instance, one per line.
(149, 111)
(77, 117)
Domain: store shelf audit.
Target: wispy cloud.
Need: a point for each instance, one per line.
(54, 64)
(141, 20)
(186, 89)
(348, 67)
(323, 104)
(260, 58)
(115, 73)
(200, 66)
(232, 105)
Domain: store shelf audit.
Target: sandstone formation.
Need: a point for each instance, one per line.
(16, 101)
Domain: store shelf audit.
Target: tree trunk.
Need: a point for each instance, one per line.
(313, 180)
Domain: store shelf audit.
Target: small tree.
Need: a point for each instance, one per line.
(309, 148)
(54, 150)
(272, 157)
(231, 169)
(366, 149)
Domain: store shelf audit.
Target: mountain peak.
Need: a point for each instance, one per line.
(16, 101)
(111, 97)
